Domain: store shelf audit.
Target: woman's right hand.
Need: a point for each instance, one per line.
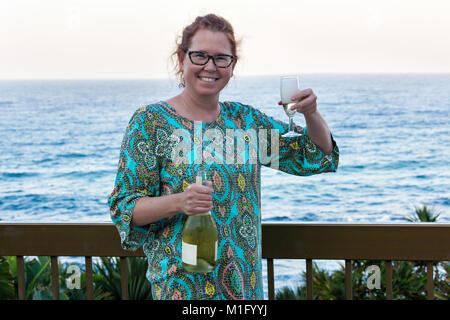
(197, 199)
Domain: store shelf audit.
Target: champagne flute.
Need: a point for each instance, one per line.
(288, 87)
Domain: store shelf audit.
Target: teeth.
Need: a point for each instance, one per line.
(207, 79)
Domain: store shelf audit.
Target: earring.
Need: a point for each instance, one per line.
(182, 83)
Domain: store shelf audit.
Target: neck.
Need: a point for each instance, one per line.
(204, 109)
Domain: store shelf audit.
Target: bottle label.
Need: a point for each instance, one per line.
(189, 253)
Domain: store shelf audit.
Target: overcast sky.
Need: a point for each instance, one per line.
(85, 39)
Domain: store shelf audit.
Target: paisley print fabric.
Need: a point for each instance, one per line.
(160, 154)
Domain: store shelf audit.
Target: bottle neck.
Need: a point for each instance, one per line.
(208, 213)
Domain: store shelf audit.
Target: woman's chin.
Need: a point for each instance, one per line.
(207, 89)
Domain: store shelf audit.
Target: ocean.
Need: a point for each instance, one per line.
(60, 142)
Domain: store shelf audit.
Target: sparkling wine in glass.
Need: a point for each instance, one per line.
(288, 87)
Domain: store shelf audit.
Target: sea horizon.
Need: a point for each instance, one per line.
(172, 77)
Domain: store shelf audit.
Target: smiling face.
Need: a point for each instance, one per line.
(207, 80)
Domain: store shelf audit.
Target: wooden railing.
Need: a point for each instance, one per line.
(429, 242)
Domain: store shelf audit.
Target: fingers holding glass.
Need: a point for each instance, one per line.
(289, 87)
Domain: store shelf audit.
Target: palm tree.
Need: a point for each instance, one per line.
(424, 214)
(110, 281)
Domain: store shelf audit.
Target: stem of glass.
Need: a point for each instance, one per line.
(291, 123)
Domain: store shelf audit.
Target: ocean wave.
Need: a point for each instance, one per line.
(84, 174)
(41, 161)
(277, 219)
(14, 175)
(72, 155)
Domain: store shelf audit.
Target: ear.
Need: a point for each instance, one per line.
(232, 67)
(181, 55)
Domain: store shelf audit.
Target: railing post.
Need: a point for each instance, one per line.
(55, 280)
(124, 277)
(430, 281)
(21, 277)
(89, 278)
(309, 279)
(348, 280)
(388, 264)
(270, 279)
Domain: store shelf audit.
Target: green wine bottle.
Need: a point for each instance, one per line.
(199, 244)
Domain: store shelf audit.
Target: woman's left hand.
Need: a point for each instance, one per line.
(306, 102)
(318, 131)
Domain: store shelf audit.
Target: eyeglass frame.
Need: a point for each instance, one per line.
(210, 57)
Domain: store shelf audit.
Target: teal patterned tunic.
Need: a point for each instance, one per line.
(160, 154)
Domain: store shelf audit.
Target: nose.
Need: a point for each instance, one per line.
(210, 65)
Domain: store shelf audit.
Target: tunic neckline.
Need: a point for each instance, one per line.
(172, 109)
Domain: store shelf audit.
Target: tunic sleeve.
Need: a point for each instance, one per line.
(137, 177)
(295, 155)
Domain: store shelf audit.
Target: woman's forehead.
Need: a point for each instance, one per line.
(213, 42)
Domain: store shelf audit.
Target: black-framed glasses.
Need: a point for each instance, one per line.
(201, 58)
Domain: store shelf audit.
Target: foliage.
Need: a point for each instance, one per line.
(80, 293)
(6, 280)
(106, 278)
(442, 291)
(424, 214)
(37, 278)
(110, 281)
(407, 283)
(287, 293)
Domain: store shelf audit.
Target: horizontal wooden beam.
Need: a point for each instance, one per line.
(411, 241)
(415, 241)
(56, 239)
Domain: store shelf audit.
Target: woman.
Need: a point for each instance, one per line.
(154, 193)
